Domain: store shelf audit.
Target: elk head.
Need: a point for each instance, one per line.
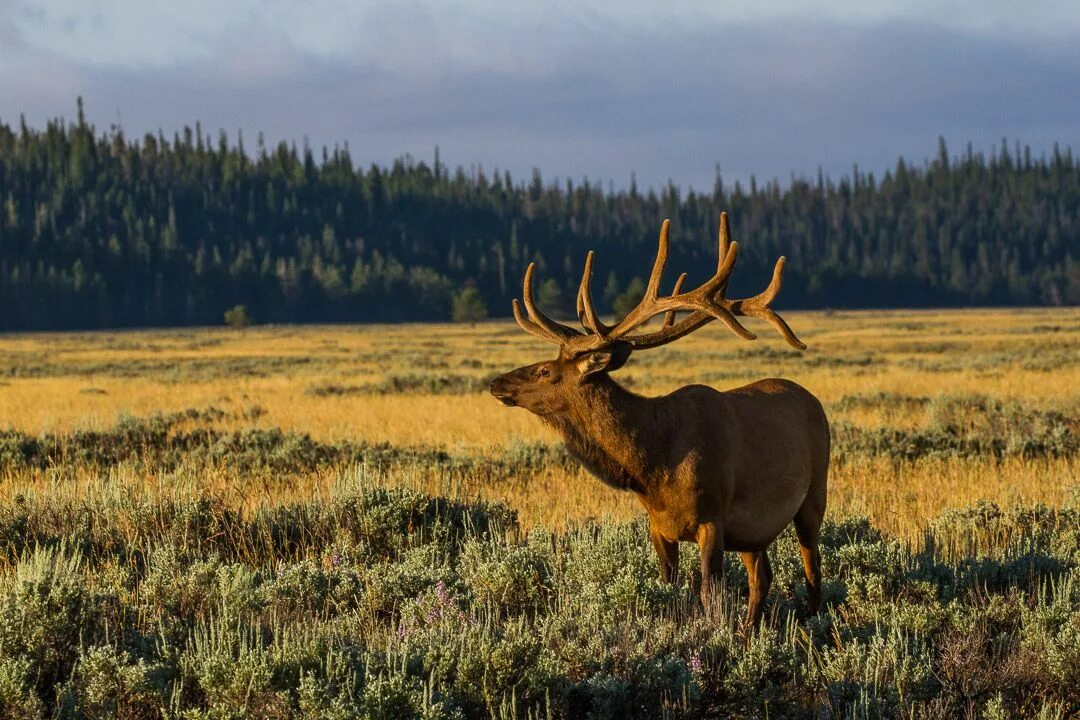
(546, 388)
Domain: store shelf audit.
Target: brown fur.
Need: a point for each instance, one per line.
(727, 470)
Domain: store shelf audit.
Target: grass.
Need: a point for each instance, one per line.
(987, 399)
(338, 522)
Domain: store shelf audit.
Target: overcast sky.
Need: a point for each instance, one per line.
(576, 89)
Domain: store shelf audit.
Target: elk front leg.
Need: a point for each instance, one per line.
(760, 575)
(668, 552)
(710, 540)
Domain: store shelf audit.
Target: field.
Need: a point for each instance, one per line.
(341, 522)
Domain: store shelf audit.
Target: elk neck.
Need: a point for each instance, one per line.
(612, 432)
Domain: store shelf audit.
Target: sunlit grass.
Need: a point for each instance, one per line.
(871, 369)
(197, 523)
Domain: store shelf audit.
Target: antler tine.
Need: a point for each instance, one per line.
(759, 306)
(538, 323)
(647, 306)
(586, 313)
(784, 329)
(652, 291)
(724, 240)
(723, 243)
(766, 296)
(669, 318)
(716, 285)
(688, 325)
(527, 292)
(532, 328)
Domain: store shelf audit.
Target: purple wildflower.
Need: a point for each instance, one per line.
(442, 606)
(441, 594)
(696, 666)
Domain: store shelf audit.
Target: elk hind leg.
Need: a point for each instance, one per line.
(808, 529)
(710, 542)
(668, 553)
(760, 574)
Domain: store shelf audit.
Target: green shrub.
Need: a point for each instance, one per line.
(45, 608)
(505, 577)
(18, 697)
(237, 317)
(391, 603)
(468, 306)
(108, 683)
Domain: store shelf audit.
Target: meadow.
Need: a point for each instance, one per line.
(339, 521)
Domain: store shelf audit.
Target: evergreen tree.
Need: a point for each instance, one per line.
(106, 230)
(550, 297)
(469, 306)
(628, 299)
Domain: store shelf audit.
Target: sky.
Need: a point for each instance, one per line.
(584, 89)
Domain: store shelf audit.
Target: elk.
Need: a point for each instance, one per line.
(727, 470)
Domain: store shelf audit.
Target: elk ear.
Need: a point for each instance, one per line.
(607, 359)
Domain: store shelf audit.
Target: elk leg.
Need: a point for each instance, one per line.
(807, 528)
(760, 574)
(710, 542)
(668, 552)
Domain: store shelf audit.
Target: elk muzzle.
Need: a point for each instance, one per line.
(504, 391)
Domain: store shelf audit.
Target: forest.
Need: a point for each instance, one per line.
(98, 229)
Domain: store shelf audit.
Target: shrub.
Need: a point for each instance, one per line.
(504, 577)
(237, 317)
(108, 683)
(468, 306)
(392, 603)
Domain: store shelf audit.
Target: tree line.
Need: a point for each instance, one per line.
(103, 230)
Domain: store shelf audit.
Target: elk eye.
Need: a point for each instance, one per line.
(544, 372)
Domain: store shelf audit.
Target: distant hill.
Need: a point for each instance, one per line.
(98, 229)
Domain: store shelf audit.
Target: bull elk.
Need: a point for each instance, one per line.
(727, 470)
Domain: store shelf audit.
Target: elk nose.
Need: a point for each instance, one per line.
(500, 389)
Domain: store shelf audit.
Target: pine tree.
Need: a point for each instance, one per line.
(106, 230)
(469, 306)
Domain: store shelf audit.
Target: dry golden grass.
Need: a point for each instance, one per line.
(62, 382)
(897, 498)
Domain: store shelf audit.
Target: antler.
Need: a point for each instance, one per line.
(538, 323)
(719, 306)
(707, 303)
(586, 313)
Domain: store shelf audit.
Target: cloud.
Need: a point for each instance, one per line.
(579, 94)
